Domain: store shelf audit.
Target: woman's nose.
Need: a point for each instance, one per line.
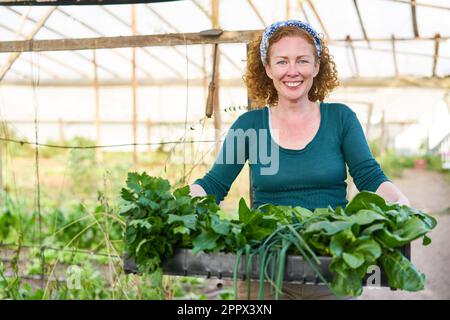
(292, 69)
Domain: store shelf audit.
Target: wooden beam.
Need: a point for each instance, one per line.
(243, 36)
(414, 18)
(256, 11)
(394, 55)
(13, 56)
(355, 61)
(361, 23)
(437, 38)
(316, 13)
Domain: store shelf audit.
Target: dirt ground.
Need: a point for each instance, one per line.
(429, 192)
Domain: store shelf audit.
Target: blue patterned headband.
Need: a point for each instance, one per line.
(270, 30)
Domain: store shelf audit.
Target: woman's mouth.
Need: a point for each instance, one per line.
(293, 84)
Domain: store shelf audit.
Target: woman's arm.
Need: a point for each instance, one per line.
(391, 193)
(197, 190)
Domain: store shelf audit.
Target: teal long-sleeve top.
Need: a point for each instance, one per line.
(312, 177)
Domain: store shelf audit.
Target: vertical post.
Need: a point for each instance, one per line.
(61, 131)
(97, 108)
(217, 114)
(414, 18)
(134, 87)
(437, 38)
(288, 9)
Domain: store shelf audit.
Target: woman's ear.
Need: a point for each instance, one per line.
(268, 70)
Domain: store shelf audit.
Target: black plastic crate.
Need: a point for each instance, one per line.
(221, 265)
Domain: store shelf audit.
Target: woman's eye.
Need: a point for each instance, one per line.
(281, 62)
(303, 61)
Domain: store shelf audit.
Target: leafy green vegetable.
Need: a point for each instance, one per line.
(401, 273)
(365, 233)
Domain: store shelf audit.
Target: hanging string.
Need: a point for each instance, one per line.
(35, 77)
(22, 142)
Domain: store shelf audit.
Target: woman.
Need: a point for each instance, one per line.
(309, 142)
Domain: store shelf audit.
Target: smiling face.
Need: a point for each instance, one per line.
(292, 67)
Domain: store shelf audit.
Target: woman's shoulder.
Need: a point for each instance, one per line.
(339, 111)
(338, 108)
(250, 118)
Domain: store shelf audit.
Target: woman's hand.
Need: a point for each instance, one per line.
(391, 193)
(197, 190)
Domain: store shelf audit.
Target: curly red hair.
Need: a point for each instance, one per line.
(260, 87)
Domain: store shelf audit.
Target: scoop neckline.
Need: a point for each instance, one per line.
(309, 145)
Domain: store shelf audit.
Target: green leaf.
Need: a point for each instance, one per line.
(302, 213)
(130, 235)
(182, 192)
(245, 214)
(145, 202)
(340, 241)
(427, 219)
(127, 195)
(401, 273)
(410, 231)
(354, 260)
(368, 248)
(328, 227)
(189, 220)
(220, 226)
(346, 281)
(426, 241)
(369, 230)
(140, 223)
(181, 230)
(364, 217)
(205, 241)
(133, 182)
(127, 208)
(363, 200)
